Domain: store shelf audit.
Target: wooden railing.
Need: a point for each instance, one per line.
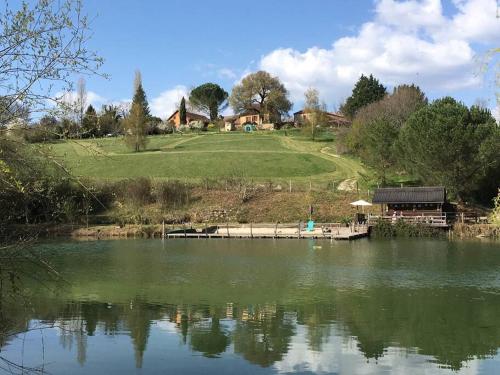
(436, 220)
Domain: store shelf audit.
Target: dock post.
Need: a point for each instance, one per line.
(206, 231)
(275, 229)
(184, 227)
(251, 230)
(163, 230)
(298, 232)
(227, 229)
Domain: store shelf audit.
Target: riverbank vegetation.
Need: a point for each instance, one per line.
(400, 228)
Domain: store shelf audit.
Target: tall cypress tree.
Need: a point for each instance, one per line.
(182, 112)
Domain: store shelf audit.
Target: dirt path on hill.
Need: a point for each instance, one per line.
(173, 145)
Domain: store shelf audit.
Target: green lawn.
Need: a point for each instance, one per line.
(259, 156)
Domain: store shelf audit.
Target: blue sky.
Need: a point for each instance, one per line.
(315, 43)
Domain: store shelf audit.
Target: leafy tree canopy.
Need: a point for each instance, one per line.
(209, 98)
(448, 144)
(376, 127)
(367, 90)
(263, 93)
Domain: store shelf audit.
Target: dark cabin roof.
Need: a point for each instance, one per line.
(434, 194)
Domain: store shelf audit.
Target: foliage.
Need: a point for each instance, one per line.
(315, 112)
(171, 194)
(182, 112)
(495, 213)
(48, 40)
(136, 192)
(109, 120)
(376, 128)
(35, 190)
(136, 123)
(448, 144)
(154, 125)
(90, 123)
(262, 93)
(401, 228)
(209, 98)
(367, 90)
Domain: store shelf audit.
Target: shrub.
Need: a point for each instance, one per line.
(136, 192)
(401, 228)
(172, 194)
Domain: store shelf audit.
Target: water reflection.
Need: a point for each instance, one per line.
(444, 326)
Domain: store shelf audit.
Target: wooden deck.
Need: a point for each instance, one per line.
(333, 231)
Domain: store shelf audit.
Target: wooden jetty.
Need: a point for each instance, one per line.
(334, 231)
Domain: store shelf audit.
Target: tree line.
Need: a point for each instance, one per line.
(442, 142)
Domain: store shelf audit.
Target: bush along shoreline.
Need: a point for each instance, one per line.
(385, 229)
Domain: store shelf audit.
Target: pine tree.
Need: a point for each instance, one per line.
(135, 124)
(140, 97)
(367, 90)
(182, 112)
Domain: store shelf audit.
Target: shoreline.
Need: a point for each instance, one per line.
(232, 230)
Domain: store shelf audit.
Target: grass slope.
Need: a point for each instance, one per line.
(259, 156)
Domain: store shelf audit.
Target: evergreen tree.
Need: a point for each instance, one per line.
(89, 122)
(136, 123)
(140, 97)
(182, 112)
(367, 90)
(448, 144)
(209, 98)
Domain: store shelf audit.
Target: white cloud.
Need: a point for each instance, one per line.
(166, 103)
(408, 41)
(496, 113)
(476, 21)
(226, 73)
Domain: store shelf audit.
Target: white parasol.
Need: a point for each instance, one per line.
(361, 203)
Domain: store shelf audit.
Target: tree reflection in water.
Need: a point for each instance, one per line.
(445, 325)
(449, 325)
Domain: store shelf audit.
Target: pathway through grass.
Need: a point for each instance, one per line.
(258, 156)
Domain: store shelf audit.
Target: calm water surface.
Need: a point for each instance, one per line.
(260, 307)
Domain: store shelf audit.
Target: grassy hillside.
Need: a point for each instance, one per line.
(257, 156)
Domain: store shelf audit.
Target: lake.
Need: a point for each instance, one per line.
(258, 307)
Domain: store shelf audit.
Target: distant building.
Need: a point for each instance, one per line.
(332, 119)
(250, 116)
(411, 200)
(175, 118)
